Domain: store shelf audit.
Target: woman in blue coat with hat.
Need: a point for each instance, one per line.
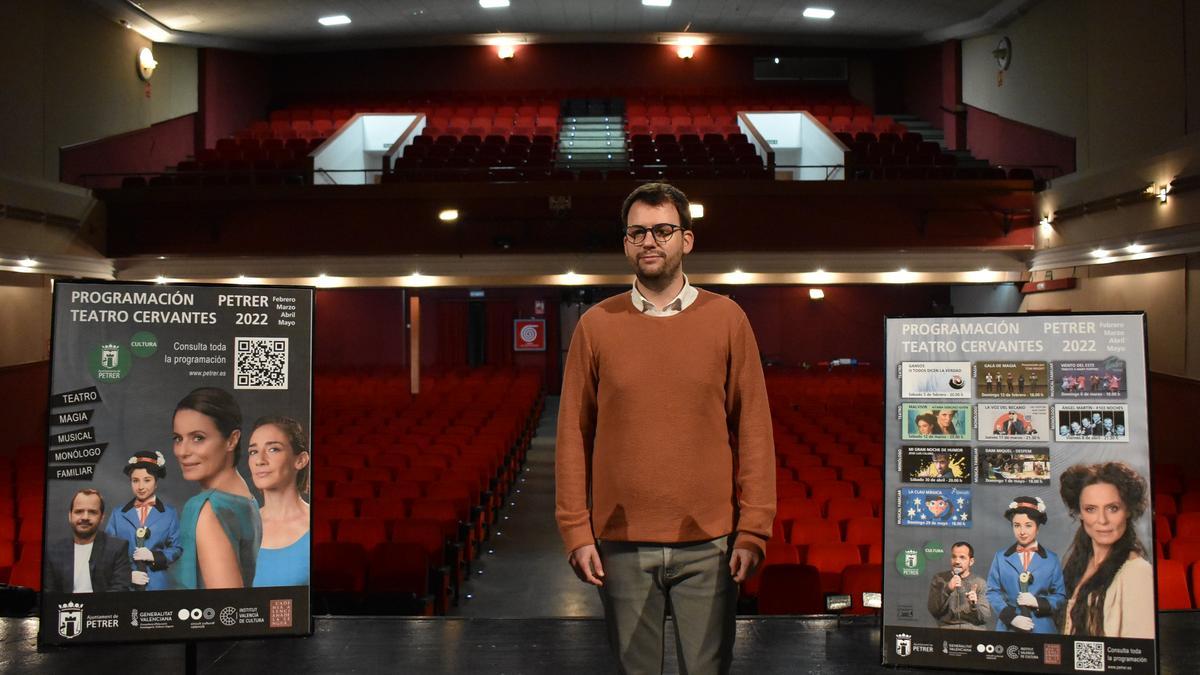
(149, 525)
(1025, 582)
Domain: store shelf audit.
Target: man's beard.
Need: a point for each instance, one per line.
(668, 270)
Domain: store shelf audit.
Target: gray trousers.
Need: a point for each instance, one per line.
(640, 579)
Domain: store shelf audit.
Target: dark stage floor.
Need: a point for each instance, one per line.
(510, 646)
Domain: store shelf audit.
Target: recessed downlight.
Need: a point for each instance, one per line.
(336, 20)
(818, 13)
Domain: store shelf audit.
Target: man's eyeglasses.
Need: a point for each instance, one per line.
(663, 232)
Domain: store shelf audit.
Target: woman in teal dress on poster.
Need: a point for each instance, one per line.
(278, 458)
(220, 530)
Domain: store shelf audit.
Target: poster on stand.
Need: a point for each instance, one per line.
(999, 501)
(179, 430)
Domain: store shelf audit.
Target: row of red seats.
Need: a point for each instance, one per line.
(477, 109)
(796, 588)
(526, 130)
(1178, 584)
(682, 120)
(398, 577)
(655, 129)
(431, 472)
(1166, 503)
(829, 558)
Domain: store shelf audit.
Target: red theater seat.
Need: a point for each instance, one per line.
(830, 559)
(807, 531)
(1173, 586)
(857, 579)
(777, 553)
(1184, 551)
(790, 589)
(823, 492)
(843, 508)
(27, 571)
(398, 580)
(864, 531)
(367, 532)
(1187, 525)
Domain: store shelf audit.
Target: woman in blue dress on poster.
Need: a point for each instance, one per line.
(279, 457)
(1025, 583)
(149, 525)
(220, 530)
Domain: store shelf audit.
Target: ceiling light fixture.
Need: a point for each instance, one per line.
(818, 13)
(1100, 253)
(657, 3)
(493, 4)
(1136, 248)
(816, 294)
(448, 215)
(28, 262)
(696, 209)
(1162, 193)
(685, 52)
(339, 20)
(160, 279)
(506, 51)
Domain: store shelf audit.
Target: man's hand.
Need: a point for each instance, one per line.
(743, 563)
(972, 596)
(585, 560)
(955, 582)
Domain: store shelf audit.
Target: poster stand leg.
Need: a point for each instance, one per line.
(189, 658)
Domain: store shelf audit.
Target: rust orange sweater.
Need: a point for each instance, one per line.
(648, 409)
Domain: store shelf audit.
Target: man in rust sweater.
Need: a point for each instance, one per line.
(665, 466)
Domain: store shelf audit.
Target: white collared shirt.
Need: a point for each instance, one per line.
(82, 577)
(686, 296)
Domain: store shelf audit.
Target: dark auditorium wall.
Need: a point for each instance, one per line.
(848, 323)
(69, 78)
(1010, 143)
(1118, 81)
(360, 328)
(1173, 405)
(932, 87)
(300, 77)
(24, 394)
(235, 88)
(145, 150)
(365, 328)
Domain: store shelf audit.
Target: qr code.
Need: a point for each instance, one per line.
(1089, 656)
(260, 363)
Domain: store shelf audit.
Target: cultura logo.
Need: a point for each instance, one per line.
(70, 619)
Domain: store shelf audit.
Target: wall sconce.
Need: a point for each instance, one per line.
(146, 64)
(506, 52)
(816, 294)
(1161, 195)
(686, 52)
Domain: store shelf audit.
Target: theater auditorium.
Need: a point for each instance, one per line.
(441, 170)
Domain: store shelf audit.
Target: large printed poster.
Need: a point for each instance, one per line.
(178, 463)
(1035, 553)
